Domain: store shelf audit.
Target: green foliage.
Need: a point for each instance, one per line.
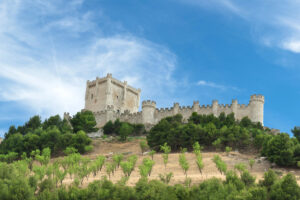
(224, 132)
(241, 167)
(44, 158)
(144, 146)
(125, 131)
(84, 121)
(247, 178)
(166, 149)
(197, 148)
(117, 158)
(54, 133)
(108, 128)
(146, 167)
(296, 132)
(47, 182)
(166, 178)
(287, 188)
(183, 163)
(114, 128)
(207, 130)
(70, 150)
(280, 150)
(228, 150)
(151, 153)
(199, 163)
(251, 163)
(220, 164)
(270, 178)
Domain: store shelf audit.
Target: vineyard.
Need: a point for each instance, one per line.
(209, 167)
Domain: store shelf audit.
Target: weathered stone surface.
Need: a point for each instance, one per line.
(110, 99)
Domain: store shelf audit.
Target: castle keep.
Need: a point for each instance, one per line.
(110, 99)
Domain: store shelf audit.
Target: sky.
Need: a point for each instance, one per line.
(174, 50)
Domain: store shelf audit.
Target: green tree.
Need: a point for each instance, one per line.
(183, 163)
(199, 163)
(296, 132)
(125, 131)
(166, 149)
(287, 188)
(109, 128)
(151, 153)
(84, 121)
(280, 149)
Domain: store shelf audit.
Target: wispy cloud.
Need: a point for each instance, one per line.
(275, 23)
(47, 55)
(215, 85)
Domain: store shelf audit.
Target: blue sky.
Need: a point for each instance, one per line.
(174, 50)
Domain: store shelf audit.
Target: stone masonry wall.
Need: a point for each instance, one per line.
(150, 115)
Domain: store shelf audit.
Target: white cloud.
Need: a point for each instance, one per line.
(293, 45)
(46, 72)
(274, 23)
(215, 85)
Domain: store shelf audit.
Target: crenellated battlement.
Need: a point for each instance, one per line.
(111, 99)
(258, 97)
(149, 103)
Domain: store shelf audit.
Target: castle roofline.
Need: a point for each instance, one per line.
(109, 76)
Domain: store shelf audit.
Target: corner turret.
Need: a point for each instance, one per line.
(257, 108)
(148, 111)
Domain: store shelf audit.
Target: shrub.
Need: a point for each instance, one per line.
(166, 149)
(183, 163)
(251, 163)
(144, 146)
(228, 150)
(125, 131)
(200, 164)
(166, 178)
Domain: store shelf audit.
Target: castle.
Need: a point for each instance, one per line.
(111, 99)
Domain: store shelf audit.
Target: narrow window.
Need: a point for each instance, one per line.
(92, 96)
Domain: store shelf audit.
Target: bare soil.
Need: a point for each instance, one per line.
(132, 147)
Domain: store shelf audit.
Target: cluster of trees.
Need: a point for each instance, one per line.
(224, 132)
(25, 179)
(54, 133)
(123, 129)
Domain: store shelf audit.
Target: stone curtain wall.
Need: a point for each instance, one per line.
(150, 115)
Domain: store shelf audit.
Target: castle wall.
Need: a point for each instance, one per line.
(94, 100)
(107, 91)
(110, 99)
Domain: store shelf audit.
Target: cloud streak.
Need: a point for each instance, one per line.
(46, 56)
(276, 24)
(215, 85)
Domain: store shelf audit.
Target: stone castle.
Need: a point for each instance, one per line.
(111, 99)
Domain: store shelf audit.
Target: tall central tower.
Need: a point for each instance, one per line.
(110, 92)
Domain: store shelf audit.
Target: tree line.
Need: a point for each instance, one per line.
(225, 132)
(54, 133)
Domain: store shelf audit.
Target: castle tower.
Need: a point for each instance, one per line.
(148, 112)
(215, 105)
(108, 91)
(195, 106)
(176, 108)
(234, 107)
(257, 108)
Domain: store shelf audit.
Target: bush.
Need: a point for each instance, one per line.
(125, 131)
(84, 121)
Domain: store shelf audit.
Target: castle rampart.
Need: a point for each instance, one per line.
(111, 99)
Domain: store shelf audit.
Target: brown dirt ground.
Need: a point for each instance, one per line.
(132, 147)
